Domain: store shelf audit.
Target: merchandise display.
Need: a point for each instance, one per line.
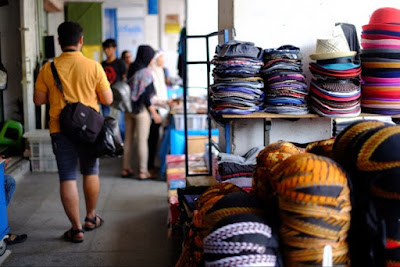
(314, 208)
(285, 84)
(380, 59)
(304, 204)
(238, 87)
(237, 169)
(335, 90)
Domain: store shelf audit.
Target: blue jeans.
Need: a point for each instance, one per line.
(67, 156)
(9, 186)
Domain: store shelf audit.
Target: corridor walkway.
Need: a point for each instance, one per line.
(134, 233)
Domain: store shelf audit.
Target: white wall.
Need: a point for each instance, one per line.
(169, 41)
(53, 20)
(271, 24)
(202, 19)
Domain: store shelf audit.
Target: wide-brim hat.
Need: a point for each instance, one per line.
(333, 47)
(381, 27)
(387, 15)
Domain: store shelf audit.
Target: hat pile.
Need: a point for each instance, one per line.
(192, 252)
(263, 183)
(378, 160)
(237, 169)
(241, 240)
(314, 207)
(335, 90)
(380, 59)
(368, 152)
(238, 87)
(285, 85)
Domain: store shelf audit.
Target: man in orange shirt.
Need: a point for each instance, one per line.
(83, 80)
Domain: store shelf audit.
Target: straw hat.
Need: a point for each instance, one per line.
(333, 47)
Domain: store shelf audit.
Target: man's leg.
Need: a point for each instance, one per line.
(91, 188)
(70, 200)
(9, 184)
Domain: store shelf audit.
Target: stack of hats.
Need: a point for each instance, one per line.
(380, 59)
(264, 185)
(368, 152)
(241, 240)
(285, 84)
(238, 234)
(238, 87)
(335, 90)
(192, 252)
(314, 207)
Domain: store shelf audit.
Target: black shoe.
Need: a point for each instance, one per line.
(15, 239)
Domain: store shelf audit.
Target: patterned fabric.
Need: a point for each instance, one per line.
(314, 205)
(233, 203)
(192, 252)
(322, 148)
(141, 79)
(345, 140)
(368, 151)
(241, 240)
(268, 159)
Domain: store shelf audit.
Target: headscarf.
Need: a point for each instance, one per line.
(139, 75)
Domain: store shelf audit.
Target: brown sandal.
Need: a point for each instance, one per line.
(93, 222)
(71, 235)
(126, 173)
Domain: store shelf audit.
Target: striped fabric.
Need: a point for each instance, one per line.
(314, 206)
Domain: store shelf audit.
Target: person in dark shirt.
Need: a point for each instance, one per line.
(114, 67)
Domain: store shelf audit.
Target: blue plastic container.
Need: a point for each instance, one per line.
(4, 229)
(177, 140)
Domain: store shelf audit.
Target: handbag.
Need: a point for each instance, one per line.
(122, 96)
(79, 122)
(109, 141)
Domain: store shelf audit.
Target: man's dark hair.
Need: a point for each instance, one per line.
(69, 33)
(109, 43)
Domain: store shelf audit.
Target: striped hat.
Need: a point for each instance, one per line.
(314, 206)
(192, 252)
(268, 159)
(321, 148)
(342, 147)
(230, 204)
(241, 240)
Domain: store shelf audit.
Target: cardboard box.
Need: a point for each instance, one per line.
(197, 143)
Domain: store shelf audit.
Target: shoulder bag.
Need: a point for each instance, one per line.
(79, 122)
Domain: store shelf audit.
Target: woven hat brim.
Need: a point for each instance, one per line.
(330, 55)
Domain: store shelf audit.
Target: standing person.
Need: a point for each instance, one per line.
(138, 122)
(83, 80)
(126, 57)
(160, 101)
(114, 67)
(9, 188)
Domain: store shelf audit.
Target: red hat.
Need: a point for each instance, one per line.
(385, 18)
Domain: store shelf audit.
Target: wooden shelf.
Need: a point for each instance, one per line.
(264, 115)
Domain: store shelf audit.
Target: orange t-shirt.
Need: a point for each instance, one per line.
(82, 80)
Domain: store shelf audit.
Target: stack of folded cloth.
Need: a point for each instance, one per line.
(380, 59)
(238, 169)
(335, 90)
(285, 85)
(238, 87)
